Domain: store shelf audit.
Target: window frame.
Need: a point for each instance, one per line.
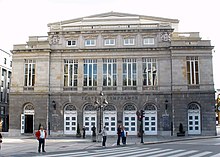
(29, 77)
(148, 65)
(109, 75)
(129, 72)
(193, 75)
(107, 42)
(129, 41)
(71, 45)
(147, 41)
(90, 42)
(70, 76)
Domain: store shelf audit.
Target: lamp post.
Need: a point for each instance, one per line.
(100, 104)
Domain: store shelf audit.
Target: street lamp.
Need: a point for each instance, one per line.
(100, 104)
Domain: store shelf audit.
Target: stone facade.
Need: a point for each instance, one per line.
(147, 63)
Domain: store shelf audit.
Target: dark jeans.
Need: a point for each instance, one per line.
(103, 140)
(124, 140)
(41, 142)
(118, 141)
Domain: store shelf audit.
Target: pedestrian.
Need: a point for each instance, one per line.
(41, 136)
(123, 135)
(93, 133)
(84, 131)
(0, 141)
(119, 134)
(104, 136)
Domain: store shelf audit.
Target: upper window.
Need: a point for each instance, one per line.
(90, 42)
(71, 43)
(109, 72)
(109, 42)
(5, 60)
(29, 73)
(129, 41)
(192, 70)
(129, 72)
(148, 41)
(90, 72)
(70, 72)
(149, 71)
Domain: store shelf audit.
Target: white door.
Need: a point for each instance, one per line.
(150, 122)
(130, 122)
(70, 122)
(194, 126)
(110, 119)
(22, 123)
(90, 120)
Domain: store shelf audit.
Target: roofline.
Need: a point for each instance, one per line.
(113, 13)
(6, 52)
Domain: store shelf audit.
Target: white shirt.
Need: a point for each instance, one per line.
(42, 134)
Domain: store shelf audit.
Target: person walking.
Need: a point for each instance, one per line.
(104, 136)
(93, 133)
(84, 131)
(0, 141)
(41, 136)
(123, 135)
(119, 134)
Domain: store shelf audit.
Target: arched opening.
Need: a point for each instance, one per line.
(89, 118)
(27, 119)
(150, 119)
(194, 123)
(110, 119)
(130, 119)
(70, 119)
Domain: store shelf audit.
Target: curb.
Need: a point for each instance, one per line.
(176, 140)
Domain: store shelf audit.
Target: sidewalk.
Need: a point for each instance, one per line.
(12, 146)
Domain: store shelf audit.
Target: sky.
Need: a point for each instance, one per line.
(20, 19)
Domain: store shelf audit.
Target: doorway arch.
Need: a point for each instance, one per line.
(27, 119)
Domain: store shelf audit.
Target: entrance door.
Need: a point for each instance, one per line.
(130, 122)
(70, 122)
(150, 123)
(130, 119)
(70, 119)
(110, 120)
(28, 124)
(89, 120)
(194, 123)
(194, 126)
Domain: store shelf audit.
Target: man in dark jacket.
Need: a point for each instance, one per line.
(119, 134)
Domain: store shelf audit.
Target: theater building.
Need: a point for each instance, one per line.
(101, 69)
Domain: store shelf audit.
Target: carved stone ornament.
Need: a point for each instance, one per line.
(54, 39)
(165, 36)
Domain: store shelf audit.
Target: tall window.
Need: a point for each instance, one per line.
(70, 72)
(109, 72)
(90, 72)
(129, 72)
(29, 73)
(149, 71)
(192, 70)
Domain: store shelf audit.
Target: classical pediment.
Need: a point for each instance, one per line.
(112, 18)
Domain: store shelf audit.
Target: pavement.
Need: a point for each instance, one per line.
(27, 145)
